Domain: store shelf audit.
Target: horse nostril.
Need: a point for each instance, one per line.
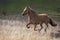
(23, 14)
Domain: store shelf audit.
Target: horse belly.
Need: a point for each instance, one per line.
(43, 19)
(34, 21)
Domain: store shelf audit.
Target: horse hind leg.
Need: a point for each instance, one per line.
(46, 27)
(40, 28)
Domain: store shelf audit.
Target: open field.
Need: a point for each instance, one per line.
(12, 27)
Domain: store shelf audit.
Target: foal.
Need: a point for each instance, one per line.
(35, 18)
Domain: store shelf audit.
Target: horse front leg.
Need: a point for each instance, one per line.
(46, 27)
(35, 27)
(27, 25)
(40, 28)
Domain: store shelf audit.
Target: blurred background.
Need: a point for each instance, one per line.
(50, 6)
(13, 24)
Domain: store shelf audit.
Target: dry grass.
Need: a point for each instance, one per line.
(16, 30)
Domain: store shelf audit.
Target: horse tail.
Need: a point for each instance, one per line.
(52, 23)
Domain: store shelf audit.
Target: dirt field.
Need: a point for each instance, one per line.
(12, 27)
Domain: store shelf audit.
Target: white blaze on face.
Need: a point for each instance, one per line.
(25, 9)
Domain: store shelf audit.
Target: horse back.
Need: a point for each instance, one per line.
(43, 17)
(43, 14)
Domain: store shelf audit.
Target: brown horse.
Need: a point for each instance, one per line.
(35, 18)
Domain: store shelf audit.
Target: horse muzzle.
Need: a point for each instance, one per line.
(23, 14)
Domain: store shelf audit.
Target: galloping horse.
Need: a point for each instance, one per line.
(35, 18)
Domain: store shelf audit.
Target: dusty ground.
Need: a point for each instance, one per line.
(12, 27)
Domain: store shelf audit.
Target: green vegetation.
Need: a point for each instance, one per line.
(49, 6)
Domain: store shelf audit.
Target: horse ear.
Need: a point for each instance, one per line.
(27, 6)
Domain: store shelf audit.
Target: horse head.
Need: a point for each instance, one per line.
(26, 10)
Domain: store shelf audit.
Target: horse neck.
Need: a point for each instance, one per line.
(32, 14)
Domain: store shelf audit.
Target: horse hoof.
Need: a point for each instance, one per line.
(39, 30)
(45, 30)
(35, 30)
(28, 27)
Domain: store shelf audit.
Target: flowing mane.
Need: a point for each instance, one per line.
(32, 10)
